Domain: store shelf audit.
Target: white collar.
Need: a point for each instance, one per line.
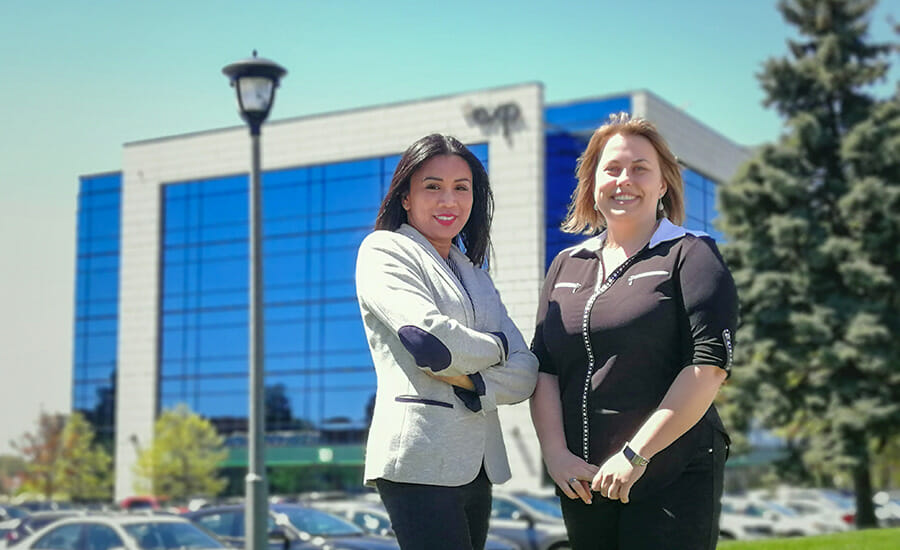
(666, 231)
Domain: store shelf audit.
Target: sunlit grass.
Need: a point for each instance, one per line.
(869, 539)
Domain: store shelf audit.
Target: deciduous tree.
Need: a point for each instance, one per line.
(84, 472)
(41, 451)
(183, 459)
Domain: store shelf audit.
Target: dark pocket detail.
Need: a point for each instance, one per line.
(422, 401)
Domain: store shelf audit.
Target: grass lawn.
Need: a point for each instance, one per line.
(869, 539)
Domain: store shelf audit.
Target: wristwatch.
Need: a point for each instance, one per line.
(633, 457)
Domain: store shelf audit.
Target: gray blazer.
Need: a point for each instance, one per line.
(418, 319)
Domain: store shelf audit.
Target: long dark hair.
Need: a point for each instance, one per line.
(475, 236)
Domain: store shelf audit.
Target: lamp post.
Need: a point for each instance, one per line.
(255, 80)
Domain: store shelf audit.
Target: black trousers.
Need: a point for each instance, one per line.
(432, 517)
(684, 515)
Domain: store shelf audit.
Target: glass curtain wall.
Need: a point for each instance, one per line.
(569, 128)
(96, 302)
(320, 382)
(700, 203)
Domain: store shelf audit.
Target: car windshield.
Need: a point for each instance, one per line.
(544, 506)
(169, 535)
(36, 522)
(15, 512)
(318, 523)
(783, 510)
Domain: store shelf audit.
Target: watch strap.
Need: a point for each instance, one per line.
(633, 457)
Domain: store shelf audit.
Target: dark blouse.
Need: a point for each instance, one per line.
(617, 345)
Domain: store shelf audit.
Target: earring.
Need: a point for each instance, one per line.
(659, 206)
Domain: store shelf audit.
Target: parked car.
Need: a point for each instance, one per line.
(833, 510)
(734, 526)
(784, 521)
(45, 505)
(291, 527)
(122, 532)
(834, 519)
(19, 529)
(371, 517)
(532, 522)
(887, 509)
(6, 527)
(12, 512)
(140, 502)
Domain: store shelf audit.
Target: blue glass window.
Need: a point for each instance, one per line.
(96, 302)
(317, 359)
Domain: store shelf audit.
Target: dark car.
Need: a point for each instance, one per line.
(291, 527)
(18, 529)
(46, 506)
(372, 517)
(12, 512)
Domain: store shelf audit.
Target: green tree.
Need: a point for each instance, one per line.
(183, 459)
(41, 451)
(814, 246)
(84, 465)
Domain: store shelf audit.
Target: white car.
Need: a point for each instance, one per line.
(121, 532)
(785, 521)
(832, 518)
(734, 526)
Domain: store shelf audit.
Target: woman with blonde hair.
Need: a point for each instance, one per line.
(634, 338)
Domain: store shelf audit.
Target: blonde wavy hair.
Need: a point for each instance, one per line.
(582, 216)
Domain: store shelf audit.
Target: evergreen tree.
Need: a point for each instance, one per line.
(813, 224)
(184, 458)
(84, 465)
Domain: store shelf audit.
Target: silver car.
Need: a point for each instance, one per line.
(128, 532)
(532, 522)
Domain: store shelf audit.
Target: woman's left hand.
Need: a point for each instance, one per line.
(462, 380)
(616, 477)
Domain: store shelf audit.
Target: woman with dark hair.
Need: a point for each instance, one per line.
(633, 336)
(445, 351)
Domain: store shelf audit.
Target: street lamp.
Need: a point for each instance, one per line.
(255, 80)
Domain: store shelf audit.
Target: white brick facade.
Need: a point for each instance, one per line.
(698, 146)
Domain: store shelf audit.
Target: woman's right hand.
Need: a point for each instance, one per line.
(563, 466)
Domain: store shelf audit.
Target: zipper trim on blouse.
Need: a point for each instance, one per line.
(586, 335)
(647, 274)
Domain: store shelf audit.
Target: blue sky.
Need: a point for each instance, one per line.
(79, 79)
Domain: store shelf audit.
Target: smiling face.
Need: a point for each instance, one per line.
(628, 182)
(440, 200)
